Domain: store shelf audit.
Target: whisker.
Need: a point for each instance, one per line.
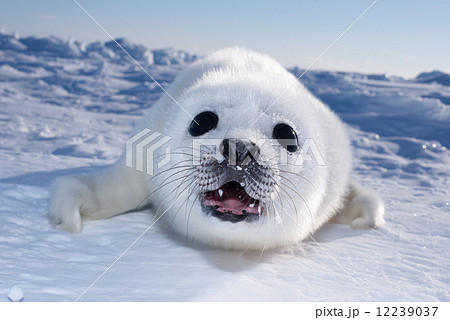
(160, 187)
(299, 175)
(192, 180)
(190, 210)
(287, 193)
(301, 197)
(168, 198)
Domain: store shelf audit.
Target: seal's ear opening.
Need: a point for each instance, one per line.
(286, 136)
(202, 123)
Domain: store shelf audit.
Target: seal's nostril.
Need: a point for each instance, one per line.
(224, 147)
(239, 152)
(252, 153)
(228, 150)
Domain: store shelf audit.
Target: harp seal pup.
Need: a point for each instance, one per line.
(278, 166)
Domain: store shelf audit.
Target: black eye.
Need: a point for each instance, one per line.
(286, 136)
(202, 123)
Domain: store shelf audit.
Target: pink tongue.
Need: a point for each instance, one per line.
(231, 199)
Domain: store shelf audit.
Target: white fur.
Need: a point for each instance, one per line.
(238, 85)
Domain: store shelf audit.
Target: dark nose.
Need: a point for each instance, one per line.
(238, 152)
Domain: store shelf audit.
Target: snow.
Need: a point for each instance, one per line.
(15, 294)
(68, 107)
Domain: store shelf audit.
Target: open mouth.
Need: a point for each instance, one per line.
(231, 203)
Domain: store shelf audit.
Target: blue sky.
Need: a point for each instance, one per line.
(402, 37)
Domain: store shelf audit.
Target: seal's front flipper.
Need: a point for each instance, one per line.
(363, 208)
(116, 190)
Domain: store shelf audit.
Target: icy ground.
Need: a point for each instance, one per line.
(67, 107)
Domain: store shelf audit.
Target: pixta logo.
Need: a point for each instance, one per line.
(141, 148)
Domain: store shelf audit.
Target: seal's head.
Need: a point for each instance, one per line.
(256, 160)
